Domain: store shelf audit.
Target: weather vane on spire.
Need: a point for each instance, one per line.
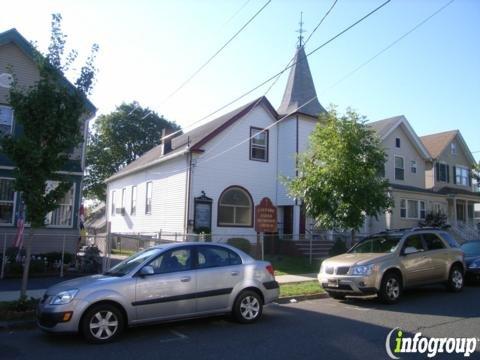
(300, 31)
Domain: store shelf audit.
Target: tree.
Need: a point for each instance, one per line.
(118, 139)
(50, 114)
(339, 178)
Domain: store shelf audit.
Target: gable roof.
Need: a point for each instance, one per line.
(300, 89)
(13, 36)
(192, 140)
(385, 127)
(437, 143)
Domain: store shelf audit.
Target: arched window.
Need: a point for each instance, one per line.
(235, 208)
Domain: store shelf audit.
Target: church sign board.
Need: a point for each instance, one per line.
(265, 217)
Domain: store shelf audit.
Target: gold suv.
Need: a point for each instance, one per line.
(384, 264)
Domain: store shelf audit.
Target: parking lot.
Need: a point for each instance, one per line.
(313, 329)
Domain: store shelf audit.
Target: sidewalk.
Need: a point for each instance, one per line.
(37, 286)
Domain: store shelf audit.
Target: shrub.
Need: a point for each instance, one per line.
(436, 219)
(37, 266)
(339, 247)
(240, 243)
(12, 252)
(56, 256)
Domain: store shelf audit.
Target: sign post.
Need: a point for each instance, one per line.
(265, 222)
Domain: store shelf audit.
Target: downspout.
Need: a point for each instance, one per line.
(188, 186)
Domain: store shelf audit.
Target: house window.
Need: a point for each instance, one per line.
(62, 215)
(403, 208)
(412, 209)
(258, 144)
(124, 200)
(7, 201)
(6, 120)
(133, 201)
(148, 198)
(462, 176)
(413, 167)
(442, 172)
(114, 201)
(397, 142)
(422, 209)
(453, 148)
(235, 208)
(399, 168)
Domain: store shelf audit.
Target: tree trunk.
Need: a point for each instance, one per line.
(26, 267)
(352, 240)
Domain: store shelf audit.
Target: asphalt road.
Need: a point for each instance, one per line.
(314, 329)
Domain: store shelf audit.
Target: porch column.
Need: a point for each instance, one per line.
(455, 211)
(296, 222)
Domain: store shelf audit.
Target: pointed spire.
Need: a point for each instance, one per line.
(300, 88)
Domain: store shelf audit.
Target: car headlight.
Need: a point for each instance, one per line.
(363, 270)
(63, 297)
(474, 264)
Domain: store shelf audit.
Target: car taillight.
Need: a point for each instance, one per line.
(270, 269)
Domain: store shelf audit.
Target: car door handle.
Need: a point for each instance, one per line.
(185, 279)
(234, 273)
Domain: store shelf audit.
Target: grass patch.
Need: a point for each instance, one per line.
(18, 309)
(123, 252)
(300, 288)
(292, 265)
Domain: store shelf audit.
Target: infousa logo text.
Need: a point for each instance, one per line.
(398, 343)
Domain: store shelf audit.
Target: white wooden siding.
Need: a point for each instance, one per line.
(168, 199)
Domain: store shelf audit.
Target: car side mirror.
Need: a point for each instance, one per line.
(410, 250)
(146, 270)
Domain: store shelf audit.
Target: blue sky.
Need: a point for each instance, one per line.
(148, 48)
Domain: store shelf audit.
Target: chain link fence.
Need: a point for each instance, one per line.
(52, 254)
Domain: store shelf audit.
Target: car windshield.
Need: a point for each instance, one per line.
(471, 248)
(131, 262)
(377, 244)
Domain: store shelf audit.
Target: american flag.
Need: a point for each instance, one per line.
(20, 227)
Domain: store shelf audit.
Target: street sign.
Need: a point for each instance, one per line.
(265, 217)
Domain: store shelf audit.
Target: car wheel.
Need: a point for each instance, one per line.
(102, 323)
(337, 296)
(455, 279)
(391, 288)
(247, 307)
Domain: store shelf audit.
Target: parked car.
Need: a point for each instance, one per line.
(168, 282)
(386, 263)
(472, 259)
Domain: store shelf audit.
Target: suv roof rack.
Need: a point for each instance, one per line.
(414, 228)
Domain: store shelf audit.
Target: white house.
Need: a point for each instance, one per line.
(211, 177)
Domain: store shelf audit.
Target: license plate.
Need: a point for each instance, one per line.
(333, 283)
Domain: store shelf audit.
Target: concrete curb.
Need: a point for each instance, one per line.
(288, 299)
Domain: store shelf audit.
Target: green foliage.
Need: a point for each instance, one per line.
(118, 139)
(339, 247)
(434, 218)
(339, 175)
(37, 266)
(240, 243)
(49, 114)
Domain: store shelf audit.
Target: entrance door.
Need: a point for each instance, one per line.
(302, 219)
(461, 211)
(288, 220)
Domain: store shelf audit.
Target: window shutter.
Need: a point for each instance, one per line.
(437, 170)
(454, 175)
(470, 178)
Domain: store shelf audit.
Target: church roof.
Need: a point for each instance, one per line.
(300, 89)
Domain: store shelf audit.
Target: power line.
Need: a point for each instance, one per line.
(236, 12)
(393, 43)
(217, 52)
(280, 72)
(286, 66)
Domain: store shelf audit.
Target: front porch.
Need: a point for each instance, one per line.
(461, 215)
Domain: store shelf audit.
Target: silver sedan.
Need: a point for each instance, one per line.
(163, 283)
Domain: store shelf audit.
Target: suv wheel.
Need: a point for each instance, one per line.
(455, 279)
(102, 323)
(391, 288)
(247, 307)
